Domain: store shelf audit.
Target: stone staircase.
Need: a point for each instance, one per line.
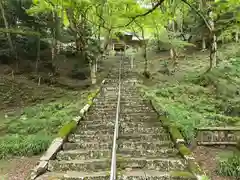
(145, 149)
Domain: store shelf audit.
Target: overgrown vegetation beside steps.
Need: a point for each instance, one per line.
(201, 100)
(229, 164)
(179, 143)
(32, 131)
(62, 136)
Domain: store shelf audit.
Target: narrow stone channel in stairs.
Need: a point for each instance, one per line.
(145, 150)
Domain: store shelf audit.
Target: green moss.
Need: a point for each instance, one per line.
(165, 121)
(184, 150)
(67, 128)
(181, 174)
(194, 167)
(175, 133)
(92, 95)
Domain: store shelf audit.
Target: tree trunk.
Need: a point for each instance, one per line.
(203, 43)
(38, 54)
(145, 59)
(54, 41)
(173, 52)
(213, 51)
(7, 27)
(93, 72)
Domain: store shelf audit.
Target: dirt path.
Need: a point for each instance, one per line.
(206, 157)
(17, 168)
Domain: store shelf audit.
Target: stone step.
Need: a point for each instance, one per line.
(144, 145)
(130, 130)
(81, 131)
(130, 116)
(136, 110)
(139, 105)
(104, 118)
(75, 175)
(108, 137)
(124, 100)
(99, 123)
(130, 97)
(83, 154)
(160, 164)
(155, 175)
(102, 112)
(145, 137)
(139, 117)
(124, 109)
(91, 125)
(140, 124)
(111, 118)
(106, 100)
(88, 138)
(122, 144)
(91, 165)
(92, 145)
(122, 175)
(102, 99)
(164, 152)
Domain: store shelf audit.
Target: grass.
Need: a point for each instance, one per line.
(193, 99)
(31, 131)
(229, 164)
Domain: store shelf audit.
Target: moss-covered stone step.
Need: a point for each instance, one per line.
(140, 124)
(133, 103)
(126, 109)
(83, 154)
(102, 102)
(112, 105)
(163, 152)
(75, 175)
(91, 165)
(147, 145)
(155, 175)
(87, 145)
(103, 118)
(94, 123)
(94, 126)
(104, 99)
(129, 130)
(136, 110)
(102, 111)
(139, 115)
(96, 131)
(99, 114)
(141, 105)
(159, 164)
(145, 137)
(88, 138)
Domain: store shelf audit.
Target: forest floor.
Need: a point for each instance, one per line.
(31, 116)
(194, 99)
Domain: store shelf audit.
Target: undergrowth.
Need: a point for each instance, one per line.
(31, 132)
(199, 99)
(229, 165)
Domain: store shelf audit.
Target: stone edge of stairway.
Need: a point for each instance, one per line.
(63, 133)
(179, 142)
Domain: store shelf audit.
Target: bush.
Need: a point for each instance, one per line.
(20, 145)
